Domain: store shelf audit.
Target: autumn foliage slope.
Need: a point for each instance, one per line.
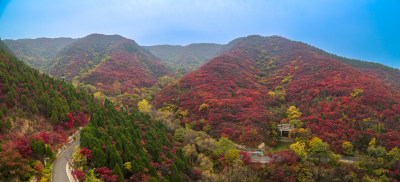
(244, 92)
(38, 53)
(102, 60)
(37, 115)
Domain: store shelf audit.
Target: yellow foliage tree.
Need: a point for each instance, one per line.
(356, 92)
(203, 107)
(181, 114)
(99, 96)
(372, 143)
(320, 150)
(144, 106)
(46, 174)
(293, 115)
(165, 80)
(279, 93)
(347, 148)
(300, 149)
(232, 155)
(314, 141)
(190, 152)
(394, 154)
(128, 166)
(287, 79)
(334, 161)
(271, 93)
(204, 163)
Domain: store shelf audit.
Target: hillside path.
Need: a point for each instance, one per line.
(59, 173)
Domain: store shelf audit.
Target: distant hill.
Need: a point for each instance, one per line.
(387, 74)
(107, 61)
(184, 59)
(38, 52)
(249, 88)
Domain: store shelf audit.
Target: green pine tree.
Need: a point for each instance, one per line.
(49, 153)
(6, 87)
(10, 97)
(38, 147)
(44, 98)
(153, 172)
(54, 116)
(4, 109)
(115, 159)
(99, 158)
(117, 171)
(177, 177)
(153, 179)
(8, 123)
(33, 106)
(24, 99)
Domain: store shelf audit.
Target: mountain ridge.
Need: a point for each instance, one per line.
(37, 52)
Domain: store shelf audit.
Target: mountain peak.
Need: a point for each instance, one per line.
(99, 40)
(103, 36)
(255, 41)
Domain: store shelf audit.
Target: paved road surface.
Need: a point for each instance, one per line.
(349, 160)
(260, 159)
(59, 167)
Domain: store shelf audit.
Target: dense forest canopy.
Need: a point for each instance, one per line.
(39, 112)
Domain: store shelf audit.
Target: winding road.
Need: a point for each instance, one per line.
(59, 173)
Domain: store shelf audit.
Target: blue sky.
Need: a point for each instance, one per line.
(361, 29)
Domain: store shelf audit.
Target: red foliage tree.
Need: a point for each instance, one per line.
(106, 174)
(38, 167)
(78, 175)
(11, 162)
(45, 137)
(282, 167)
(70, 121)
(23, 147)
(196, 174)
(245, 157)
(86, 152)
(80, 118)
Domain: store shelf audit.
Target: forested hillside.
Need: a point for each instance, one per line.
(184, 59)
(38, 53)
(38, 113)
(262, 81)
(132, 145)
(129, 65)
(111, 65)
(101, 60)
(337, 106)
(384, 73)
